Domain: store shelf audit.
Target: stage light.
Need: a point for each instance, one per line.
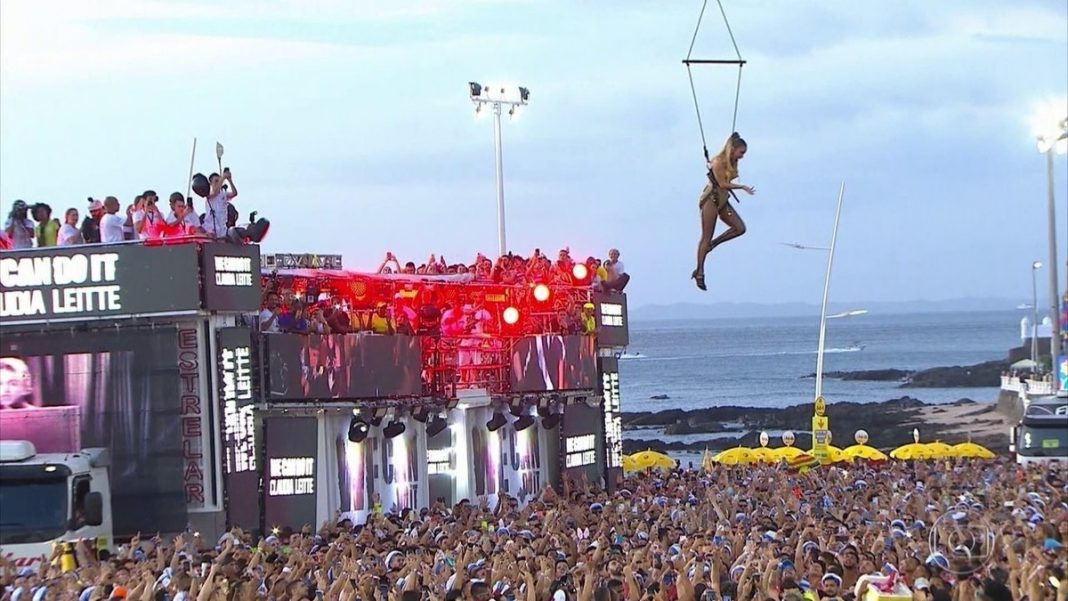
(377, 415)
(516, 407)
(435, 426)
(496, 422)
(523, 423)
(541, 293)
(511, 316)
(451, 404)
(394, 429)
(524, 94)
(550, 422)
(580, 271)
(475, 89)
(358, 430)
(420, 414)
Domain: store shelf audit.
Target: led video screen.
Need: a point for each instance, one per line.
(552, 362)
(120, 390)
(343, 366)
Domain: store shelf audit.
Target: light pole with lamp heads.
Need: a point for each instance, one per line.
(496, 96)
(1051, 131)
(1035, 266)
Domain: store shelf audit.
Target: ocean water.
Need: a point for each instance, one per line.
(762, 362)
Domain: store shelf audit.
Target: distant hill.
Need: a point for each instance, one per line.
(742, 310)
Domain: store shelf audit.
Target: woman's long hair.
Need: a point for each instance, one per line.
(726, 155)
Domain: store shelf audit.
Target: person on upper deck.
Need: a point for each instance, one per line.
(218, 198)
(91, 223)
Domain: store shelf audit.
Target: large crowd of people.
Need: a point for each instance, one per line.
(325, 306)
(965, 530)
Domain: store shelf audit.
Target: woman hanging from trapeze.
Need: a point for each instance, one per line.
(715, 203)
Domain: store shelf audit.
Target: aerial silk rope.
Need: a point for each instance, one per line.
(689, 72)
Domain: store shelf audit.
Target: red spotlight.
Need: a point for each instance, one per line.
(580, 271)
(541, 293)
(511, 316)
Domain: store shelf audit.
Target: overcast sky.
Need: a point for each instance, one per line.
(348, 125)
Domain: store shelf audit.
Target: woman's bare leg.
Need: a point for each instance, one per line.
(709, 215)
(735, 225)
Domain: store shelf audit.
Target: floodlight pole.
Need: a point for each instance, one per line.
(502, 245)
(497, 96)
(1054, 285)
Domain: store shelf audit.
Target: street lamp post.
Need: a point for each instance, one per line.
(826, 293)
(496, 96)
(821, 428)
(1051, 132)
(1035, 266)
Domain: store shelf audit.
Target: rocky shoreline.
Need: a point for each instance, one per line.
(889, 424)
(980, 375)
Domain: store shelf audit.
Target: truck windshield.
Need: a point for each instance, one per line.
(1043, 441)
(32, 509)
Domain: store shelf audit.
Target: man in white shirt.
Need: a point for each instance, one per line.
(269, 315)
(617, 274)
(218, 197)
(111, 223)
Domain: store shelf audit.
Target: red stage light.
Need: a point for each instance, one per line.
(580, 271)
(541, 293)
(511, 316)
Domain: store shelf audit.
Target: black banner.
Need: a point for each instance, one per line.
(240, 466)
(231, 277)
(612, 325)
(290, 464)
(613, 422)
(126, 280)
(89, 282)
(117, 389)
(235, 394)
(583, 442)
(552, 362)
(343, 366)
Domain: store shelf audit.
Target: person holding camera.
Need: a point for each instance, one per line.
(182, 214)
(19, 228)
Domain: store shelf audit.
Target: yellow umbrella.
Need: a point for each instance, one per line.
(834, 454)
(735, 456)
(762, 455)
(651, 459)
(912, 451)
(970, 449)
(863, 451)
(629, 465)
(787, 453)
(940, 450)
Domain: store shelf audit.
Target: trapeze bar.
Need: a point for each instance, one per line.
(713, 62)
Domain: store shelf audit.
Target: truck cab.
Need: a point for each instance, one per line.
(1041, 436)
(47, 499)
